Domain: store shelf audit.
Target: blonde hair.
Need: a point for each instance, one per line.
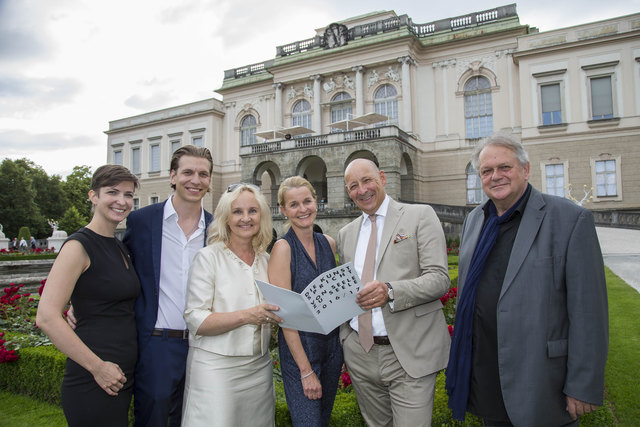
(293, 182)
(219, 230)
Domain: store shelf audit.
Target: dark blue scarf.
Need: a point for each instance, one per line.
(459, 369)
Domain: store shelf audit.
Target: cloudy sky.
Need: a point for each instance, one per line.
(68, 67)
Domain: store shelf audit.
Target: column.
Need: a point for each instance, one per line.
(336, 194)
(317, 113)
(407, 112)
(278, 109)
(359, 90)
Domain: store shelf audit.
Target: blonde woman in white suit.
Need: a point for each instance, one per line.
(229, 378)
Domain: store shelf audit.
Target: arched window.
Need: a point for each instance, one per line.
(248, 130)
(386, 103)
(478, 112)
(475, 194)
(341, 108)
(301, 114)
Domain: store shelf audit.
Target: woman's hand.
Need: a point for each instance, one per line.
(109, 377)
(263, 313)
(311, 386)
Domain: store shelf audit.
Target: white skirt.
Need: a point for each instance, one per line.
(228, 390)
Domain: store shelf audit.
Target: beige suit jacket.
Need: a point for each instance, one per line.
(416, 267)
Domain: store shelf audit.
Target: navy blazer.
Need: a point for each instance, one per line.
(143, 237)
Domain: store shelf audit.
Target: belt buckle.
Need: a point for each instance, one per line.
(185, 334)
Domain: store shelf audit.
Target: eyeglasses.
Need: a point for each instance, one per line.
(243, 184)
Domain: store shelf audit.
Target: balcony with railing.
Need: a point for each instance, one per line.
(379, 27)
(273, 146)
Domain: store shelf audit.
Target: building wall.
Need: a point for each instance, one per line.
(426, 154)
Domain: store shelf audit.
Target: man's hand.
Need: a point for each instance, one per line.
(577, 407)
(71, 318)
(373, 294)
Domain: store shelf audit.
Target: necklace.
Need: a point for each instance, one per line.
(195, 226)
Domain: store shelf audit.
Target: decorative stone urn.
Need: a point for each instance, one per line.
(57, 237)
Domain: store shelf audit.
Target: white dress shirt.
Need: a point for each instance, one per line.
(175, 260)
(377, 321)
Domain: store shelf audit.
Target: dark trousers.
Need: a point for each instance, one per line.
(159, 382)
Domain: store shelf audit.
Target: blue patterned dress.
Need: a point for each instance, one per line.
(323, 351)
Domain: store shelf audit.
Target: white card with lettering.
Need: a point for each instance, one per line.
(327, 302)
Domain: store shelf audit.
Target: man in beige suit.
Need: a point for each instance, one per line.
(394, 374)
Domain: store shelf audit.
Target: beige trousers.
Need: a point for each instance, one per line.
(386, 394)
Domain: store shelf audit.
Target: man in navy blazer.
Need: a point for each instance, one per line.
(163, 238)
(531, 333)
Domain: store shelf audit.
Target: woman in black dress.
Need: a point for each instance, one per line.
(94, 271)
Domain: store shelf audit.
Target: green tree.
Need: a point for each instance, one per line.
(17, 207)
(71, 221)
(76, 188)
(50, 197)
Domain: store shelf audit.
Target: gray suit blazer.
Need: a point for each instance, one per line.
(553, 329)
(417, 269)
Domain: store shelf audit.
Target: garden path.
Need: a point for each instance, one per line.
(621, 252)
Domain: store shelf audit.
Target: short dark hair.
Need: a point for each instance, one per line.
(190, 150)
(110, 175)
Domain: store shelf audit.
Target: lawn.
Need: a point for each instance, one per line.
(23, 411)
(622, 379)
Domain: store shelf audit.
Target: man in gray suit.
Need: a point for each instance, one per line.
(394, 354)
(531, 333)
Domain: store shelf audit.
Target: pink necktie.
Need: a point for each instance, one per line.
(365, 329)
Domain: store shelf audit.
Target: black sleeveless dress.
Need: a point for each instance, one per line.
(103, 301)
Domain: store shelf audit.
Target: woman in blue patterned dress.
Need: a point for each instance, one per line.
(310, 362)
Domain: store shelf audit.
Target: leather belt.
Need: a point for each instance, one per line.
(381, 340)
(171, 333)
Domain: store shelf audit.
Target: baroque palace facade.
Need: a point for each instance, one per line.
(415, 98)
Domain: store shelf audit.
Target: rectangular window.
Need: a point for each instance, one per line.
(601, 98)
(154, 199)
(117, 157)
(478, 111)
(606, 181)
(136, 204)
(197, 141)
(154, 158)
(551, 105)
(135, 160)
(174, 146)
(554, 176)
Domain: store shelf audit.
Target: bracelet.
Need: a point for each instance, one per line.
(306, 375)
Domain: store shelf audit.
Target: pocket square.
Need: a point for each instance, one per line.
(400, 237)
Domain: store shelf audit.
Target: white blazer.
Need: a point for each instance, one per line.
(221, 282)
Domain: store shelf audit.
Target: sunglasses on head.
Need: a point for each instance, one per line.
(240, 184)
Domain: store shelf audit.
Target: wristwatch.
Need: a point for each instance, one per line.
(390, 292)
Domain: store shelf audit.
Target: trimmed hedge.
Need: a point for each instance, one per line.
(37, 373)
(26, 256)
